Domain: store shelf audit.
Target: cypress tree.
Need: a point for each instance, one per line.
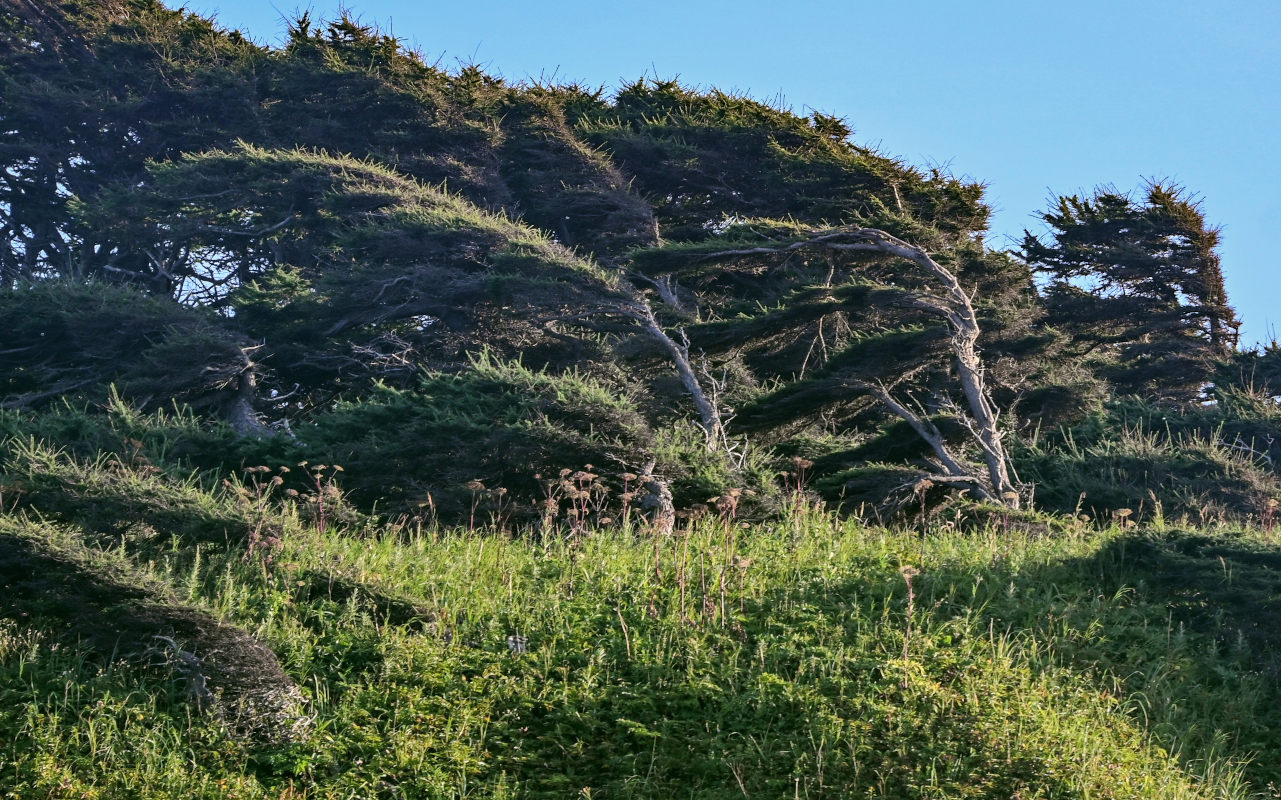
(1138, 287)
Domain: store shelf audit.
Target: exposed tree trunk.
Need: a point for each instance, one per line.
(638, 309)
(657, 500)
(241, 415)
(954, 470)
(666, 288)
(955, 306)
(709, 414)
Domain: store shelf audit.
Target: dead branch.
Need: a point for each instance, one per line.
(954, 469)
(665, 286)
(32, 398)
(954, 305)
(638, 309)
(252, 234)
(709, 415)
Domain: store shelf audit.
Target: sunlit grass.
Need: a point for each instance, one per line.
(769, 660)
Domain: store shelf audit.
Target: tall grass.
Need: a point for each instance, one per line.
(725, 661)
(1202, 475)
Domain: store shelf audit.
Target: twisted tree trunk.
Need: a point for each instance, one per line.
(981, 416)
(709, 414)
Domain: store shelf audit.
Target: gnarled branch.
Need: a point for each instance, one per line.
(957, 307)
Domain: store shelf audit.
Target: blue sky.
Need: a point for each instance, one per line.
(1034, 99)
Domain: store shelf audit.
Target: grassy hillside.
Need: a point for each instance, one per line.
(227, 269)
(987, 656)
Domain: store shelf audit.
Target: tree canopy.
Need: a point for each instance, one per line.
(1140, 285)
(446, 280)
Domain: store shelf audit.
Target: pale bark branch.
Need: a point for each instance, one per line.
(957, 307)
(954, 469)
(709, 415)
(639, 311)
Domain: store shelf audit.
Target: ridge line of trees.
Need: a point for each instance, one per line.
(450, 278)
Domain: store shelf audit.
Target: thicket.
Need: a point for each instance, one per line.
(321, 242)
(336, 657)
(459, 392)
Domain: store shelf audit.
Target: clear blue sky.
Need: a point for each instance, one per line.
(1034, 99)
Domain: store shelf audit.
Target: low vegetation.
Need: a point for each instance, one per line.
(981, 654)
(373, 430)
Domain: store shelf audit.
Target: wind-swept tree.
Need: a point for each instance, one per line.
(88, 92)
(353, 233)
(1137, 286)
(903, 282)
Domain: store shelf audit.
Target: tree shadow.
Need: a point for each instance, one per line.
(705, 734)
(791, 705)
(1224, 588)
(1192, 625)
(384, 608)
(147, 517)
(217, 667)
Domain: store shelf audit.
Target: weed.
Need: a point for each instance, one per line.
(908, 573)
(256, 502)
(767, 659)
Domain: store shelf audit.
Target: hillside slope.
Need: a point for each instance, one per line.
(804, 657)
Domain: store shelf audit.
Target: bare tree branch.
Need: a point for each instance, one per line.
(638, 309)
(709, 415)
(957, 307)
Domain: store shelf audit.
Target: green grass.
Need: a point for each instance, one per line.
(766, 661)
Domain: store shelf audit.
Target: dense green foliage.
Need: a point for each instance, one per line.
(322, 241)
(1143, 281)
(345, 211)
(373, 430)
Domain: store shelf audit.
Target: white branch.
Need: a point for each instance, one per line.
(956, 306)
